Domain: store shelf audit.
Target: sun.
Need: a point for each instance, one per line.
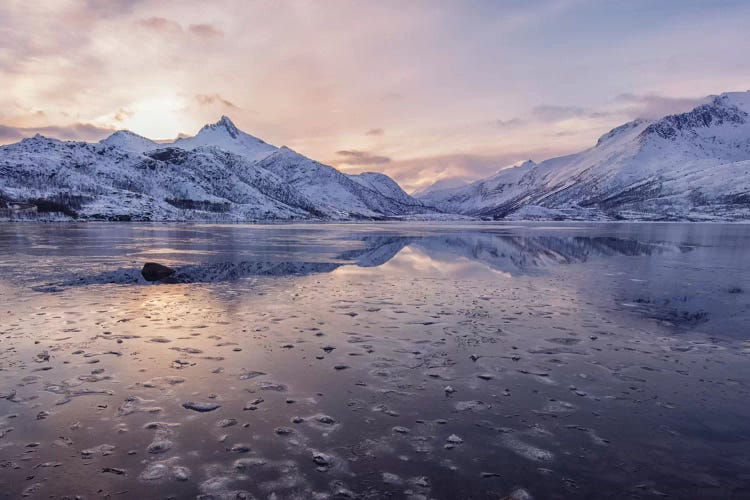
(157, 117)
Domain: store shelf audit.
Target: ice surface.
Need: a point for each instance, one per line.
(483, 361)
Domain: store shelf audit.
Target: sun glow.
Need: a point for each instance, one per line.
(158, 117)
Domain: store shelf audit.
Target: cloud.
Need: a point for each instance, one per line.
(566, 133)
(548, 112)
(207, 99)
(464, 82)
(123, 114)
(652, 106)
(375, 131)
(73, 132)
(205, 31)
(107, 8)
(160, 24)
(624, 107)
(166, 25)
(354, 157)
(512, 123)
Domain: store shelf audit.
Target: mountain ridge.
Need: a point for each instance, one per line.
(221, 173)
(686, 166)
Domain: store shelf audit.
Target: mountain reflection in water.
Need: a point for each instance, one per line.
(510, 254)
(637, 270)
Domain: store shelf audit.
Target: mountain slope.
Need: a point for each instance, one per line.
(694, 165)
(220, 174)
(339, 195)
(102, 181)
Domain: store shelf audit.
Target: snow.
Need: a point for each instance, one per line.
(129, 141)
(681, 167)
(225, 135)
(220, 174)
(336, 194)
(690, 166)
(382, 184)
(450, 183)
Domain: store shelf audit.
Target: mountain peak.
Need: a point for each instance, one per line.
(618, 131)
(126, 133)
(225, 135)
(39, 138)
(129, 141)
(737, 99)
(224, 123)
(727, 109)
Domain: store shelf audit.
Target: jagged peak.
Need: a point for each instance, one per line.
(740, 99)
(728, 107)
(225, 135)
(224, 123)
(38, 138)
(725, 109)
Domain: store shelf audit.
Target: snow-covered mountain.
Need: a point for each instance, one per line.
(221, 173)
(130, 141)
(346, 195)
(449, 183)
(224, 135)
(690, 166)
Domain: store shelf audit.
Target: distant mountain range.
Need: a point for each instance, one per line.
(690, 166)
(221, 173)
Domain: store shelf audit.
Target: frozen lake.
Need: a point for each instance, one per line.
(375, 361)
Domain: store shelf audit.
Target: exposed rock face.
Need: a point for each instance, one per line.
(156, 272)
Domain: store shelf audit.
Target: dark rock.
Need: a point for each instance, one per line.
(114, 470)
(200, 406)
(240, 448)
(156, 272)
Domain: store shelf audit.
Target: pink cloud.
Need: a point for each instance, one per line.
(205, 31)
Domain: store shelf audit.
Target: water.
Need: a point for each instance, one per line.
(375, 361)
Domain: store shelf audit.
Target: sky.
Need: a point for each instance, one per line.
(420, 90)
